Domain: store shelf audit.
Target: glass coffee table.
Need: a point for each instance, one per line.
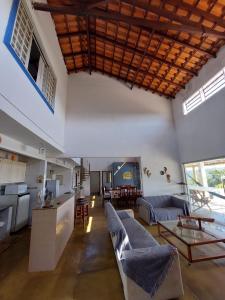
(195, 245)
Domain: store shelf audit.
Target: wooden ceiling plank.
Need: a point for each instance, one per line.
(137, 41)
(126, 66)
(144, 54)
(140, 52)
(199, 12)
(116, 36)
(141, 71)
(71, 44)
(165, 13)
(110, 15)
(167, 54)
(190, 36)
(75, 53)
(81, 39)
(177, 41)
(127, 35)
(88, 44)
(168, 96)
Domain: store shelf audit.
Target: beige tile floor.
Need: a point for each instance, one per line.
(88, 270)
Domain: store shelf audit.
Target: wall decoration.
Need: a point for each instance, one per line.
(147, 172)
(40, 179)
(127, 175)
(165, 172)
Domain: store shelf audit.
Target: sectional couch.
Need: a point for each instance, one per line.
(149, 271)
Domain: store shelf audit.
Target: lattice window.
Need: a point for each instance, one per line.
(22, 34)
(213, 86)
(49, 85)
(27, 48)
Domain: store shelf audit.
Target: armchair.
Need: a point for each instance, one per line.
(162, 208)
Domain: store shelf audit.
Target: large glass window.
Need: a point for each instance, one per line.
(206, 185)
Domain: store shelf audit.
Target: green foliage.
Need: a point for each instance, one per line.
(214, 177)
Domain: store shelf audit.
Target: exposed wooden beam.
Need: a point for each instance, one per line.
(110, 15)
(71, 34)
(135, 69)
(156, 33)
(88, 44)
(140, 52)
(146, 88)
(119, 62)
(59, 9)
(197, 11)
(150, 56)
(94, 3)
(165, 13)
(66, 55)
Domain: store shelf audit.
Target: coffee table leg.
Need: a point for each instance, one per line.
(159, 233)
(189, 255)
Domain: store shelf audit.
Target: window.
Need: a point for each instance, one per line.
(213, 86)
(21, 41)
(205, 184)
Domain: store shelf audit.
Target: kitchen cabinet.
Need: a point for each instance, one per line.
(12, 171)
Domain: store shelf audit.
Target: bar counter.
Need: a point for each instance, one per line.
(51, 230)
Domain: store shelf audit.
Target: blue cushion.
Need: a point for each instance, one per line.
(168, 213)
(123, 214)
(139, 237)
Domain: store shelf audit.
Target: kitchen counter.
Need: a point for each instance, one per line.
(57, 202)
(51, 230)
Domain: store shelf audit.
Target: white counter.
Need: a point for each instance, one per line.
(51, 230)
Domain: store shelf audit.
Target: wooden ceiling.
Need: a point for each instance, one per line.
(157, 45)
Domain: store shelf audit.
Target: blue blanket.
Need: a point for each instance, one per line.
(116, 228)
(148, 267)
(174, 202)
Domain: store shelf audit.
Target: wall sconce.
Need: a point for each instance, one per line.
(147, 172)
(165, 172)
(40, 179)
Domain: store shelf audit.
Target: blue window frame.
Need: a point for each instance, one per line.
(7, 42)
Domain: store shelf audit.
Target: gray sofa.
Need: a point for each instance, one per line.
(161, 208)
(149, 271)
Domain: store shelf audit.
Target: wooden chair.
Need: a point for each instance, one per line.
(132, 196)
(199, 199)
(106, 196)
(81, 211)
(115, 196)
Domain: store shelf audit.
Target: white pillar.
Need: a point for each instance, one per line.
(203, 174)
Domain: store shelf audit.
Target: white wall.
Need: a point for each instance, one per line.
(18, 97)
(201, 133)
(106, 119)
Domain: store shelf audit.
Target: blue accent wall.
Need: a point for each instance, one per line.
(7, 40)
(131, 168)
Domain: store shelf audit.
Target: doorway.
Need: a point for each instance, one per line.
(95, 182)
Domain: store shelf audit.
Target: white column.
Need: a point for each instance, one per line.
(203, 174)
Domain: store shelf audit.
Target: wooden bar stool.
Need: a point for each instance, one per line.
(81, 211)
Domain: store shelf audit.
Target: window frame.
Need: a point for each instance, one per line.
(7, 42)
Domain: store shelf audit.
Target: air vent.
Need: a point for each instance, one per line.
(192, 102)
(213, 86)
